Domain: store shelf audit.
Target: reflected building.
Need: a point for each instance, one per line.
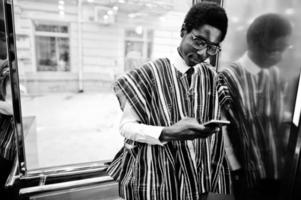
(72, 45)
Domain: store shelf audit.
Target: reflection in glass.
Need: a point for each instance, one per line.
(261, 84)
(235, 43)
(138, 47)
(133, 54)
(66, 49)
(52, 49)
(52, 53)
(8, 137)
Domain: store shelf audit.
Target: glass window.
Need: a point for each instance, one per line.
(134, 34)
(51, 28)
(138, 47)
(72, 118)
(239, 21)
(52, 49)
(282, 65)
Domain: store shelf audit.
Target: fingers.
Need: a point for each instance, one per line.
(190, 128)
(198, 127)
(216, 129)
(205, 132)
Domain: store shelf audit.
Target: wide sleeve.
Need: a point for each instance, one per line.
(136, 88)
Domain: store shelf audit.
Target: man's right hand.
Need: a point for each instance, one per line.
(186, 129)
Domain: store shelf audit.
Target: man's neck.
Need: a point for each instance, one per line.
(180, 52)
(255, 60)
(246, 62)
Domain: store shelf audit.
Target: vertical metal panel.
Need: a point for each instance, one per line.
(291, 183)
(14, 76)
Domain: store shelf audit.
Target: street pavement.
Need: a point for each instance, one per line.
(71, 128)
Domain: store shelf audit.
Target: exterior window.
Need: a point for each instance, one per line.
(52, 47)
(138, 47)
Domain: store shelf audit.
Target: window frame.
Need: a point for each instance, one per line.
(145, 43)
(63, 172)
(51, 34)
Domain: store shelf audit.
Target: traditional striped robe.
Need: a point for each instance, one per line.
(254, 105)
(7, 137)
(7, 140)
(178, 170)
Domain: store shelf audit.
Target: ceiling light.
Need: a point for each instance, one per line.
(115, 8)
(289, 11)
(61, 7)
(162, 19)
(132, 15)
(235, 19)
(139, 30)
(110, 12)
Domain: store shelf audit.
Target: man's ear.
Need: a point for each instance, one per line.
(183, 30)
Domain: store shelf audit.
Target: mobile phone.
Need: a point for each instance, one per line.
(216, 123)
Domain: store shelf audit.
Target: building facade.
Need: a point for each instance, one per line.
(83, 45)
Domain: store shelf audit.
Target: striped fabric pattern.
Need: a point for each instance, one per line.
(179, 170)
(254, 105)
(7, 140)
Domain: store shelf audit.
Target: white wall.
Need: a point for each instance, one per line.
(102, 45)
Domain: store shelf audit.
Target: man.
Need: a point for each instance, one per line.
(251, 95)
(168, 153)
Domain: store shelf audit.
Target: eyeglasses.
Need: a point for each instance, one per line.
(200, 42)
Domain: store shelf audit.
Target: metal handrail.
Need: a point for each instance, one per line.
(61, 172)
(66, 170)
(64, 185)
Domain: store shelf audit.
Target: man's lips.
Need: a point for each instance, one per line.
(195, 58)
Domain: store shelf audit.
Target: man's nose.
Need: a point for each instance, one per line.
(202, 52)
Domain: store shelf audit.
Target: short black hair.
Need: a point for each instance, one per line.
(206, 13)
(267, 28)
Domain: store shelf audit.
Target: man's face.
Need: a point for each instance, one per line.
(197, 45)
(271, 53)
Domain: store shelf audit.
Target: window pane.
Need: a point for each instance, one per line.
(133, 54)
(63, 53)
(46, 53)
(51, 28)
(73, 117)
(137, 33)
(283, 68)
(149, 49)
(52, 53)
(150, 34)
